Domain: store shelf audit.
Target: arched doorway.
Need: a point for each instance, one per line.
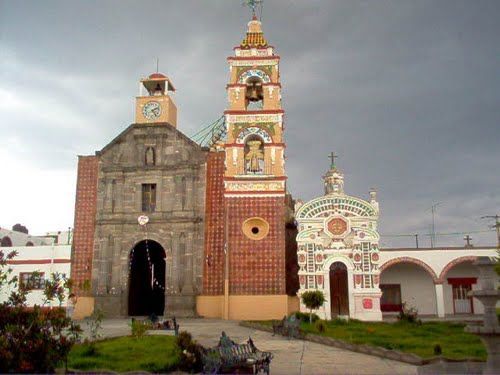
(339, 297)
(146, 294)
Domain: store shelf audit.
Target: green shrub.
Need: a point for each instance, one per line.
(339, 322)
(304, 317)
(191, 353)
(139, 328)
(438, 350)
(320, 325)
(313, 299)
(408, 314)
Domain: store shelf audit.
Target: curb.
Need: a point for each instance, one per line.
(376, 351)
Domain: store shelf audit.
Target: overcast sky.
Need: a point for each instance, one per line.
(406, 92)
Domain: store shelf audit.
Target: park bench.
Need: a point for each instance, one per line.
(289, 327)
(228, 356)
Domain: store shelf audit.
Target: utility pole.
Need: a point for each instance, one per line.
(433, 229)
(416, 240)
(496, 226)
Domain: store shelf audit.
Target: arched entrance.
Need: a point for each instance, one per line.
(146, 294)
(339, 298)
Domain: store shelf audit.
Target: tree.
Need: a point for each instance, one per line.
(313, 299)
(20, 228)
(37, 339)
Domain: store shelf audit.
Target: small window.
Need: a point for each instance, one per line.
(31, 280)
(148, 197)
(391, 298)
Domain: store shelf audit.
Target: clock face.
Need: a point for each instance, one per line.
(151, 110)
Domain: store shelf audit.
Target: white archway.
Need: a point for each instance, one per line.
(350, 282)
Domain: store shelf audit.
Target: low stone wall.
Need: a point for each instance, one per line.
(377, 351)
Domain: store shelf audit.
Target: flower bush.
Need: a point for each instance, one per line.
(33, 339)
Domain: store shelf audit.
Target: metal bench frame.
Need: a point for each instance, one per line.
(228, 355)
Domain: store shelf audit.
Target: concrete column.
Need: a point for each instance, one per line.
(439, 300)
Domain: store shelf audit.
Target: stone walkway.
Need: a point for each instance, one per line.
(290, 356)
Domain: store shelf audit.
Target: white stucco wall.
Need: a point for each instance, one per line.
(46, 259)
(437, 259)
(417, 287)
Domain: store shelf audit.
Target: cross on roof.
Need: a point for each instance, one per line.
(332, 156)
(468, 239)
(252, 4)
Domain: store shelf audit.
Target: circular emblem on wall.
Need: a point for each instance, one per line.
(357, 258)
(357, 279)
(143, 220)
(302, 258)
(337, 227)
(255, 228)
(375, 257)
(319, 258)
(302, 280)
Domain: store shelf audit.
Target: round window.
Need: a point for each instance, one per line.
(255, 228)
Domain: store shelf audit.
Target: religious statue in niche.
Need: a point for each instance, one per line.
(254, 158)
(150, 156)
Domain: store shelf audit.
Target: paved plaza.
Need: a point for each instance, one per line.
(290, 356)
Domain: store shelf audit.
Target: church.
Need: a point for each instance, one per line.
(168, 226)
(165, 226)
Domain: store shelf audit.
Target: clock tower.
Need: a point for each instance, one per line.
(154, 104)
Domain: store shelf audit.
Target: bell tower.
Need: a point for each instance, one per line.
(255, 182)
(154, 104)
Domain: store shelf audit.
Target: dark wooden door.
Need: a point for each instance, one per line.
(339, 300)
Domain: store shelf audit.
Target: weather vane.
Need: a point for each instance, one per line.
(252, 4)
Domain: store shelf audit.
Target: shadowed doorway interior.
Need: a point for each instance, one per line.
(147, 279)
(338, 289)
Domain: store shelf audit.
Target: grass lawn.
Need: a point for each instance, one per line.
(149, 353)
(407, 337)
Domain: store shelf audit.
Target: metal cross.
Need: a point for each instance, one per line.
(252, 4)
(468, 239)
(332, 157)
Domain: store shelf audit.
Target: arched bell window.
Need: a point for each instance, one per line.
(254, 155)
(254, 94)
(150, 156)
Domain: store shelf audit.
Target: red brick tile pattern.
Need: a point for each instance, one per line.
(84, 226)
(256, 267)
(213, 270)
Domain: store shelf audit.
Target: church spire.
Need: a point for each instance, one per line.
(334, 178)
(255, 36)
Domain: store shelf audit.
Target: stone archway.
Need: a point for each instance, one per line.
(146, 279)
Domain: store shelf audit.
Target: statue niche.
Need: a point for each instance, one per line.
(150, 157)
(254, 155)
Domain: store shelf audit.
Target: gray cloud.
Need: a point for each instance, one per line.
(406, 92)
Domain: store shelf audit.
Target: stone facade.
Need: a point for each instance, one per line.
(176, 223)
